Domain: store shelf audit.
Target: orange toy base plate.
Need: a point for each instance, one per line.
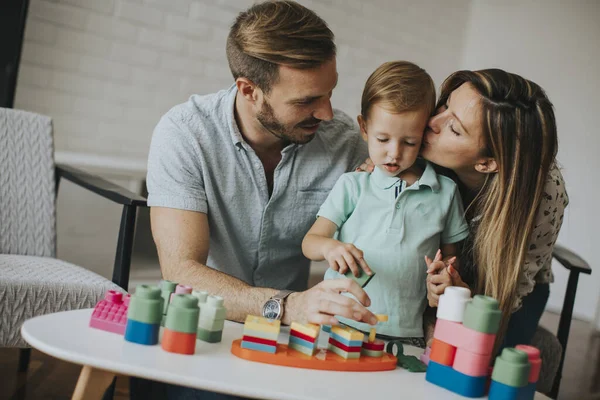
(324, 360)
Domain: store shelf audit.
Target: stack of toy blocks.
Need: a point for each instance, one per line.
(346, 342)
(515, 374)
(373, 347)
(261, 334)
(166, 289)
(463, 342)
(181, 325)
(181, 289)
(212, 317)
(144, 315)
(110, 314)
(304, 338)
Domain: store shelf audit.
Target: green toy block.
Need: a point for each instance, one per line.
(183, 313)
(371, 353)
(166, 288)
(362, 279)
(201, 296)
(209, 336)
(213, 308)
(211, 324)
(345, 354)
(145, 305)
(482, 315)
(512, 368)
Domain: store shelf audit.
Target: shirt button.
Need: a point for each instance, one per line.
(397, 206)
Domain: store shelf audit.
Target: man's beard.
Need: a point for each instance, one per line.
(266, 117)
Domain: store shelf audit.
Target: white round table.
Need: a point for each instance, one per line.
(67, 336)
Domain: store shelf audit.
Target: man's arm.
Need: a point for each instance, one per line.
(182, 240)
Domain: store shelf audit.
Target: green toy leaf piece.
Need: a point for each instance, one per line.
(362, 279)
(410, 363)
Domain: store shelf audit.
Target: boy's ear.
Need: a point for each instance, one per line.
(362, 126)
(248, 89)
(486, 165)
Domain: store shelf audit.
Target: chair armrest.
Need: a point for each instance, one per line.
(570, 260)
(100, 186)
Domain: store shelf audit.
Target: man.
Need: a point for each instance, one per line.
(235, 178)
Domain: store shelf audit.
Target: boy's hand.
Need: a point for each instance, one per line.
(345, 256)
(440, 275)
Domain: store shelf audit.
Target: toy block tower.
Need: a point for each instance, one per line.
(212, 318)
(373, 347)
(515, 373)
(181, 289)
(346, 342)
(110, 314)
(144, 315)
(166, 289)
(463, 342)
(304, 338)
(179, 335)
(261, 334)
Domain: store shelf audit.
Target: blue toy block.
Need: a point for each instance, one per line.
(326, 328)
(259, 347)
(346, 342)
(141, 333)
(527, 392)
(500, 391)
(302, 342)
(451, 379)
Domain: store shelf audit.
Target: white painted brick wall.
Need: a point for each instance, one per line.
(106, 70)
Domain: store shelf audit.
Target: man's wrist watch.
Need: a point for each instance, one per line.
(275, 306)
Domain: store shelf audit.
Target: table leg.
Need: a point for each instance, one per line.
(92, 383)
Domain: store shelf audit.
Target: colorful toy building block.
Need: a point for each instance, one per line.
(482, 315)
(110, 314)
(451, 379)
(181, 325)
(326, 328)
(212, 319)
(346, 342)
(457, 335)
(261, 334)
(303, 338)
(510, 376)
(373, 349)
(425, 357)
(362, 279)
(442, 352)
(535, 362)
(373, 331)
(166, 289)
(471, 364)
(181, 289)
(144, 315)
(408, 362)
(452, 303)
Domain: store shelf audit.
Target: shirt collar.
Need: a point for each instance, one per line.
(428, 178)
(382, 180)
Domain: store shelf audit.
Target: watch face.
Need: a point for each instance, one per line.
(271, 309)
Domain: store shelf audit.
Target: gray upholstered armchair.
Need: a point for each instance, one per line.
(32, 280)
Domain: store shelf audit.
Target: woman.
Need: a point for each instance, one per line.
(496, 132)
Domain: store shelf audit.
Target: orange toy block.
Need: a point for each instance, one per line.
(178, 342)
(457, 335)
(442, 352)
(471, 364)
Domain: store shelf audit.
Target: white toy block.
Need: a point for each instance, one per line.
(453, 303)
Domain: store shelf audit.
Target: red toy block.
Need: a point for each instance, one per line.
(302, 336)
(253, 339)
(457, 335)
(471, 364)
(178, 342)
(534, 360)
(377, 345)
(442, 352)
(110, 314)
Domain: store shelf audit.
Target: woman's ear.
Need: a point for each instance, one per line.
(362, 126)
(486, 165)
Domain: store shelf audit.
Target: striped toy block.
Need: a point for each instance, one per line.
(450, 379)
(344, 341)
(310, 330)
(259, 341)
(342, 346)
(371, 353)
(302, 342)
(377, 345)
(471, 364)
(458, 335)
(260, 334)
(348, 333)
(302, 336)
(302, 349)
(262, 324)
(442, 352)
(258, 347)
(345, 354)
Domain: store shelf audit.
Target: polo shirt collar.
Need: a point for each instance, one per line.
(382, 180)
(428, 178)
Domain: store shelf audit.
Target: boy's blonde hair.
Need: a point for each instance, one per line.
(398, 86)
(276, 33)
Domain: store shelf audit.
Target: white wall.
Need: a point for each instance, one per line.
(555, 44)
(106, 70)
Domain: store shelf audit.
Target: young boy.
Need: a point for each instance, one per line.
(390, 219)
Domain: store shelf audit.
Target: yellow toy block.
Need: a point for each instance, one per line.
(372, 332)
(347, 333)
(310, 330)
(262, 324)
(381, 317)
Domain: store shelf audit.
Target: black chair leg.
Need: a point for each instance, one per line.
(24, 357)
(110, 391)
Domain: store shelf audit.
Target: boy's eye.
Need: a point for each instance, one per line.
(382, 140)
(410, 144)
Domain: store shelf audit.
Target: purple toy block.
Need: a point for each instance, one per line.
(110, 314)
(181, 289)
(425, 356)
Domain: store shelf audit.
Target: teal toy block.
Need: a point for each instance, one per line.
(482, 315)
(183, 313)
(209, 336)
(362, 279)
(326, 328)
(512, 368)
(146, 305)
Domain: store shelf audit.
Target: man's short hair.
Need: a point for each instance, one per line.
(276, 33)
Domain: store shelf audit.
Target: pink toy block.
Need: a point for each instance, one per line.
(457, 335)
(425, 356)
(471, 364)
(110, 314)
(534, 360)
(181, 289)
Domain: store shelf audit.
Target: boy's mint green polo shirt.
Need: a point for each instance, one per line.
(395, 234)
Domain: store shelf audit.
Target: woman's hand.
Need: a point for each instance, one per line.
(367, 166)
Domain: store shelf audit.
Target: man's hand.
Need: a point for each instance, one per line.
(367, 166)
(344, 256)
(321, 303)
